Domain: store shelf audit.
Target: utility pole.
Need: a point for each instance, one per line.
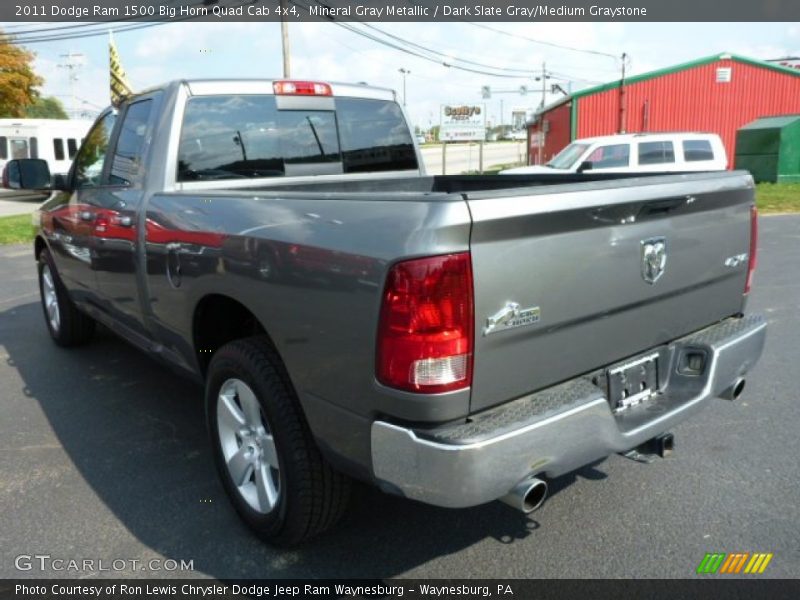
(541, 133)
(287, 71)
(544, 83)
(404, 72)
(72, 62)
(622, 98)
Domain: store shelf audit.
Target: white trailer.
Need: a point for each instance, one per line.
(54, 140)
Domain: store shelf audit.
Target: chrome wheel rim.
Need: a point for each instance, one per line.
(265, 268)
(50, 299)
(248, 447)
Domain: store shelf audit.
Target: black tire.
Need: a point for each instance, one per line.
(71, 327)
(312, 496)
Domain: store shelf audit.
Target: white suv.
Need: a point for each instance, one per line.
(636, 152)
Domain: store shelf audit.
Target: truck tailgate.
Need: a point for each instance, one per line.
(576, 261)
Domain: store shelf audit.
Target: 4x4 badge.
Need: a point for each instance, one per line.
(654, 258)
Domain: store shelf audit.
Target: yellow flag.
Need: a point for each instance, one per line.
(120, 88)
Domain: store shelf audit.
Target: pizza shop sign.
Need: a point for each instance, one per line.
(462, 123)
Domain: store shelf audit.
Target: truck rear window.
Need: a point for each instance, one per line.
(246, 136)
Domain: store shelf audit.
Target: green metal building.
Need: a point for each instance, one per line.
(769, 148)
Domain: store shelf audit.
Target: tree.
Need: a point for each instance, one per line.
(46, 108)
(18, 82)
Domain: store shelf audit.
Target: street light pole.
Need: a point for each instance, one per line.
(404, 72)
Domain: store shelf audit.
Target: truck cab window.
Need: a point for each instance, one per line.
(234, 137)
(3, 147)
(92, 155)
(375, 136)
(72, 148)
(127, 157)
(228, 137)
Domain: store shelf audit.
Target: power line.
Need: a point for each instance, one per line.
(42, 35)
(532, 40)
(408, 51)
(87, 34)
(46, 28)
(528, 72)
(529, 39)
(430, 54)
(443, 63)
(392, 66)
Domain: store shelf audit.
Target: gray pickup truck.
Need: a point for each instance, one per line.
(453, 340)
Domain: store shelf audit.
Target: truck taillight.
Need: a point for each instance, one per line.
(751, 259)
(301, 88)
(425, 334)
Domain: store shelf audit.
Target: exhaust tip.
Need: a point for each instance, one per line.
(666, 445)
(527, 496)
(734, 391)
(535, 496)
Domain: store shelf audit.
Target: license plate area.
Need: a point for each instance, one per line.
(632, 382)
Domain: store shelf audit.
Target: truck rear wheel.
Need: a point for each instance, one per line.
(270, 466)
(67, 325)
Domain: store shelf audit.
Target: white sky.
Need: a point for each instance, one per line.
(325, 51)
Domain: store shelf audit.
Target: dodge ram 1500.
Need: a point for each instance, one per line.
(453, 340)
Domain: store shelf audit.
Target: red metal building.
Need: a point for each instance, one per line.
(717, 94)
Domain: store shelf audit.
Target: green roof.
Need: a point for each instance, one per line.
(772, 122)
(675, 69)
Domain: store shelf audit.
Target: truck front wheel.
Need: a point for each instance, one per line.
(67, 325)
(270, 466)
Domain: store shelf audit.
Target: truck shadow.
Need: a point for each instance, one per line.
(135, 432)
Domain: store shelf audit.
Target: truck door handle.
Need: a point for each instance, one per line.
(125, 221)
(86, 215)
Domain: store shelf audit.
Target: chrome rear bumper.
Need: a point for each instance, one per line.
(557, 430)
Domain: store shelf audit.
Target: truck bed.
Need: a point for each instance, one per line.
(569, 247)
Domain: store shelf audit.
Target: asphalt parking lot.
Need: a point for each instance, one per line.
(104, 456)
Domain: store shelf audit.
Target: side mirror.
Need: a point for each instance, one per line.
(27, 174)
(585, 166)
